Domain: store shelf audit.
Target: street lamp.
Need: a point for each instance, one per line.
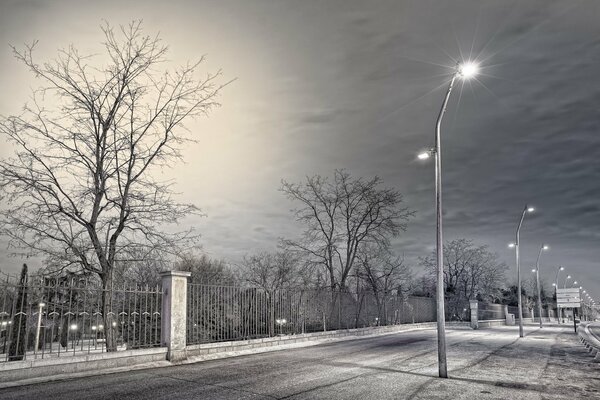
(526, 209)
(566, 279)
(464, 70)
(537, 279)
(555, 284)
(41, 306)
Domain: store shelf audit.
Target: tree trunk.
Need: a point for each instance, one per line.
(16, 350)
(108, 316)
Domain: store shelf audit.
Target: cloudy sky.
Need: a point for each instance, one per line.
(358, 85)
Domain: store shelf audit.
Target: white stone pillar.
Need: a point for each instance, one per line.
(474, 318)
(174, 314)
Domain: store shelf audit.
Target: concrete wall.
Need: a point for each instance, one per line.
(492, 322)
(56, 366)
(229, 349)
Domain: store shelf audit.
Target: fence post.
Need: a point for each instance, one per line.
(174, 314)
(474, 318)
(509, 318)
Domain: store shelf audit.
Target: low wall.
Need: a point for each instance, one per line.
(14, 371)
(40, 370)
(207, 351)
(491, 322)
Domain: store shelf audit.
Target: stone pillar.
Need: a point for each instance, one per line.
(174, 314)
(474, 319)
(509, 318)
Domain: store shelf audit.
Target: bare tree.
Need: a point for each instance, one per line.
(206, 270)
(341, 217)
(271, 271)
(384, 274)
(470, 272)
(81, 189)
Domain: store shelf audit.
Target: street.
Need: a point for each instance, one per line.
(492, 363)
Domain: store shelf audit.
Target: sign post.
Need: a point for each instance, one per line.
(569, 298)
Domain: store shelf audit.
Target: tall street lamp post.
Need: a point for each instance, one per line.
(558, 310)
(464, 71)
(537, 279)
(516, 246)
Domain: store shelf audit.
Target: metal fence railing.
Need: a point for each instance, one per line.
(490, 311)
(222, 313)
(43, 317)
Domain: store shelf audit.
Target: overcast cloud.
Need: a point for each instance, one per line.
(358, 85)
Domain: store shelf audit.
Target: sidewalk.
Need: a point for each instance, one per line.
(548, 363)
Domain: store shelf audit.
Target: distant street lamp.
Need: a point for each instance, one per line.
(527, 209)
(555, 284)
(537, 279)
(465, 70)
(566, 279)
(39, 326)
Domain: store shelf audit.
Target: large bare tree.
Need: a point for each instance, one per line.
(341, 218)
(82, 188)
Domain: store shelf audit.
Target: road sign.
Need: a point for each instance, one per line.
(568, 298)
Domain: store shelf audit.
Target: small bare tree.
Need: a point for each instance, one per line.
(271, 271)
(81, 189)
(206, 270)
(470, 272)
(384, 274)
(342, 217)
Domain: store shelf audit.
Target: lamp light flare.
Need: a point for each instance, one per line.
(511, 245)
(530, 209)
(546, 247)
(468, 69)
(424, 155)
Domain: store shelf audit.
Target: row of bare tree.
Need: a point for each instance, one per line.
(83, 191)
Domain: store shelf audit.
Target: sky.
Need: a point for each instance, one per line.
(322, 85)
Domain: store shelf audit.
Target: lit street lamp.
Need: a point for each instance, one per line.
(555, 284)
(465, 71)
(537, 279)
(566, 279)
(527, 209)
(39, 326)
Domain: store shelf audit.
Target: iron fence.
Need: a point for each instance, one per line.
(489, 311)
(223, 313)
(45, 316)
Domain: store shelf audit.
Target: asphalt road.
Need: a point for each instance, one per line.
(484, 364)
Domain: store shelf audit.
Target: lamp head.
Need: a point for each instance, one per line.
(530, 209)
(562, 268)
(511, 245)
(467, 69)
(424, 155)
(545, 247)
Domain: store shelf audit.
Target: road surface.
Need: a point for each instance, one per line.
(485, 364)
